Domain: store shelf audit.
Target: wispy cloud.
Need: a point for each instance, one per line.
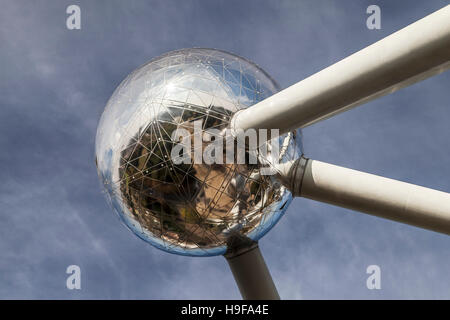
(55, 82)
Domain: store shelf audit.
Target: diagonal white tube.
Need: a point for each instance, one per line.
(414, 53)
(391, 199)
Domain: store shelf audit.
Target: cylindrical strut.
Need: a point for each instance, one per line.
(387, 198)
(414, 53)
(251, 273)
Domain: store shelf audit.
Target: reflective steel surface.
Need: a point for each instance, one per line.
(189, 209)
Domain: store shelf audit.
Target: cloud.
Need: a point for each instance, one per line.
(55, 83)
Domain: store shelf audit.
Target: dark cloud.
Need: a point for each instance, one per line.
(55, 82)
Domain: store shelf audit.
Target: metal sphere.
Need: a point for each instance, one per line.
(189, 209)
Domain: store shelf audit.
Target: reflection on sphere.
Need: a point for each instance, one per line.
(190, 209)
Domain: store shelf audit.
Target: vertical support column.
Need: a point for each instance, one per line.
(250, 271)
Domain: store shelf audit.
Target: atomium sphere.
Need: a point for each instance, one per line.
(189, 208)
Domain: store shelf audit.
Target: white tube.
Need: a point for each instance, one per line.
(412, 54)
(252, 275)
(383, 197)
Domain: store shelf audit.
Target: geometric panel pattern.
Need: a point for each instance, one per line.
(189, 208)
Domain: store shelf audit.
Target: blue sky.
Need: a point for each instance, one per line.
(54, 84)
